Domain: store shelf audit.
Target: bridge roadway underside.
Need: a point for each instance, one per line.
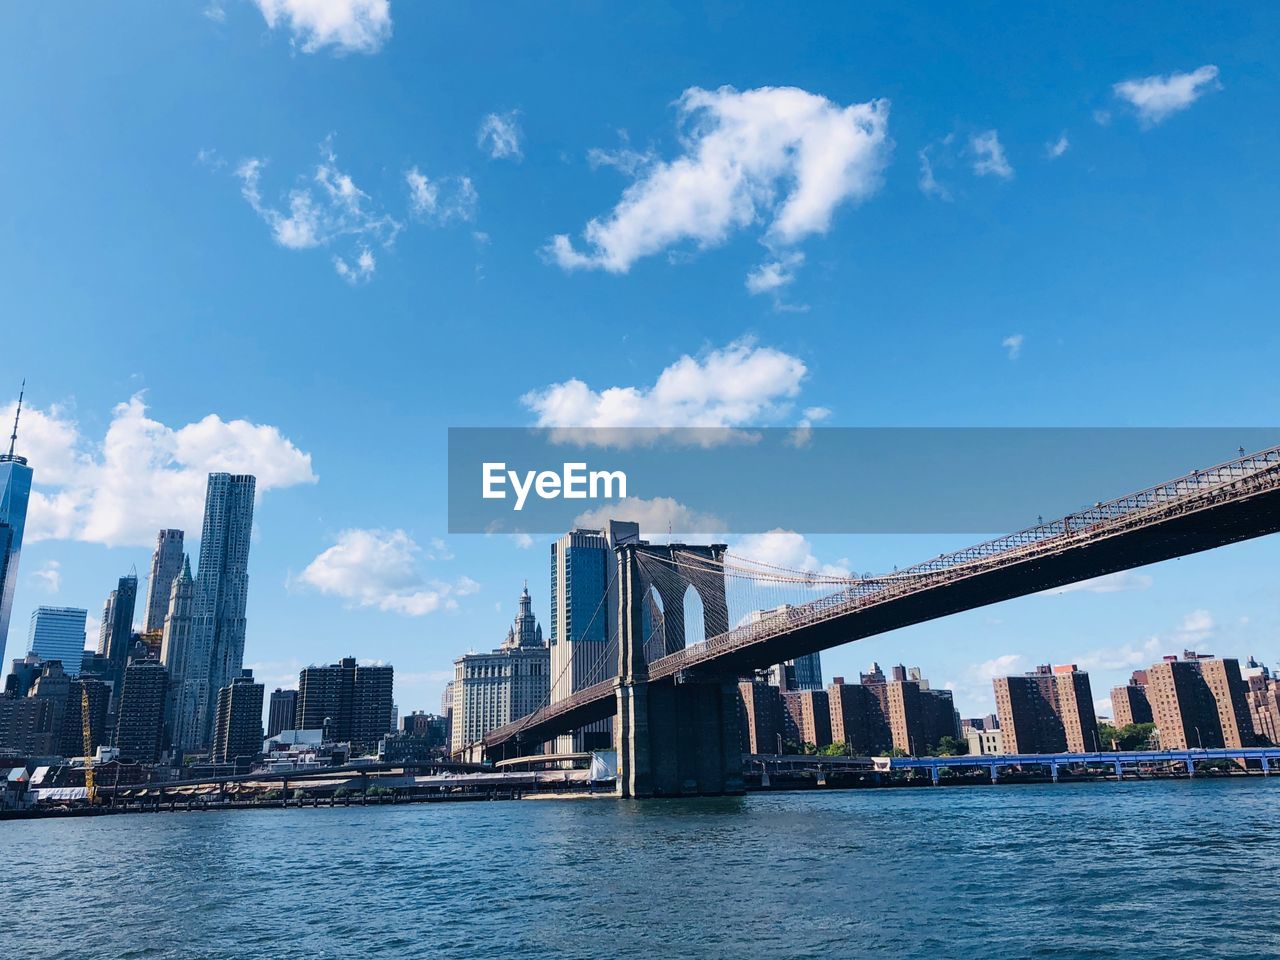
(1189, 533)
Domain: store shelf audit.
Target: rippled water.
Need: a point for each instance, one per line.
(1165, 869)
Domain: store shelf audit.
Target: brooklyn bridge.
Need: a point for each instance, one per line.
(674, 703)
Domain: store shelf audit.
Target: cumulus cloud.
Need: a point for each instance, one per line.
(739, 384)
(143, 475)
(382, 569)
(658, 518)
(772, 275)
(778, 158)
(988, 155)
(1057, 148)
(499, 136)
(1013, 344)
(1156, 98)
(441, 200)
(349, 26)
(323, 209)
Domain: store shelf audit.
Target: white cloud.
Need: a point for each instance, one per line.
(929, 184)
(1158, 97)
(772, 275)
(1127, 656)
(973, 690)
(327, 208)
(499, 136)
(522, 540)
(50, 576)
(350, 26)
(143, 475)
(1124, 580)
(381, 568)
(732, 386)
(988, 154)
(625, 160)
(776, 157)
(658, 518)
(1196, 625)
(1013, 344)
(787, 549)
(359, 271)
(441, 200)
(1057, 148)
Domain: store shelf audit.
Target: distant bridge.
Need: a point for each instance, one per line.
(1233, 501)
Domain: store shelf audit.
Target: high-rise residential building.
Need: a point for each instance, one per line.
(166, 564)
(1230, 697)
(1199, 702)
(760, 710)
(186, 659)
(919, 716)
(493, 689)
(222, 581)
(807, 717)
(281, 711)
(353, 703)
(1129, 705)
(1049, 710)
(1075, 707)
(582, 563)
(72, 742)
(15, 492)
(238, 719)
(859, 716)
(140, 716)
(118, 635)
(57, 633)
(27, 726)
(53, 685)
(1262, 694)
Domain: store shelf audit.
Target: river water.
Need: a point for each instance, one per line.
(1163, 869)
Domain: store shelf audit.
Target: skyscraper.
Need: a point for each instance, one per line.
(57, 633)
(238, 726)
(284, 706)
(166, 563)
(355, 702)
(493, 689)
(222, 581)
(15, 492)
(140, 716)
(581, 565)
(118, 634)
(187, 663)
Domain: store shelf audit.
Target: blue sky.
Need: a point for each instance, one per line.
(1084, 254)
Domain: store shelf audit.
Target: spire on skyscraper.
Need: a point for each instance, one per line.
(13, 437)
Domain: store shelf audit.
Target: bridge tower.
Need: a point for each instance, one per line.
(677, 736)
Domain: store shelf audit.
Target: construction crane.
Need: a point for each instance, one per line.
(91, 792)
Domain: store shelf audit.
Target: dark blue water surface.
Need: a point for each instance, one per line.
(1157, 869)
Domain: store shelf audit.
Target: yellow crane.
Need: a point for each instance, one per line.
(91, 792)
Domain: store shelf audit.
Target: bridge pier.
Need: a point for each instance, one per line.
(673, 738)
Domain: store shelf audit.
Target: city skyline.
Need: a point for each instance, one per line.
(1078, 235)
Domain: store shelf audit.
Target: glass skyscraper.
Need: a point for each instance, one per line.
(222, 583)
(166, 564)
(57, 633)
(15, 492)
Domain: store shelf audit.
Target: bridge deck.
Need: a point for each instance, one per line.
(1235, 501)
